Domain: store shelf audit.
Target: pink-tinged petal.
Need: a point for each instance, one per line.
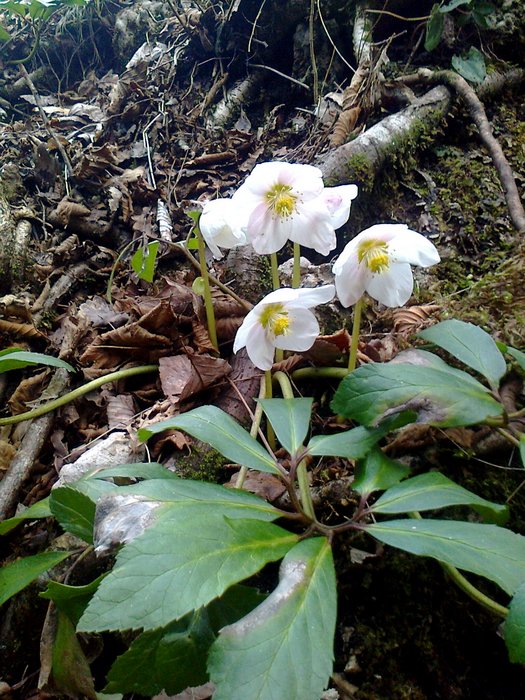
(306, 180)
(260, 348)
(312, 228)
(303, 331)
(351, 279)
(312, 296)
(338, 201)
(393, 287)
(266, 232)
(412, 247)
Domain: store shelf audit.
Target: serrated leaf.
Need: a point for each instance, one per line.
(283, 648)
(37, 510)
(178, 566)
(74, 511)
(487, 550)
(16, 576)
(472, 68)
(434, 28)
(171, 659)
(514, 628)
(143, 261)
(13, 358)
(471, 345)
(218, 429)
(126, 512)
(290, 420)
(71, 600)
(378, 472)
(440, 398)
(434, 490)
(357, 442)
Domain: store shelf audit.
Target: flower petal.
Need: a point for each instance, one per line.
(312, 227)
(412, 247)
(250, 323)
(222, 224)
(312, 296)
(392, 287)
(304, 329)
(260, 348)
(338, 201)
(351, 278)
(266, 232)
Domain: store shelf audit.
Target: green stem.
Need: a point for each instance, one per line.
(76, 393)
(268, 395)
(256, 423)
(208, 303)
(296, 273)
(275, 271)
(302, 474)
(320, 373)
(465, 585)
(509, 436)
(352, 360)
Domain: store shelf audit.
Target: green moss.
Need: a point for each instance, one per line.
(203, 463)
(360, 171)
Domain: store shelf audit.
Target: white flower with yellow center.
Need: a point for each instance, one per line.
(288, 201)
(220, 226)
(281, 320)
(378, 261)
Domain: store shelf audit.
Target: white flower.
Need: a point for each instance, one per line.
(220, 226)
(281, 320)
(378, 261)
(287, 201)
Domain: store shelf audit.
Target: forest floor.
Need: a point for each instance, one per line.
(143, 144)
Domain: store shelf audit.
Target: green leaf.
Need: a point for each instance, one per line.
(435, 490)
(472, 68)
(290, 419)
(522, 449)
(70, 668)
(514, 628)
(434, 28)
(283, 648)
(378, 472)
(357, 442)
(218, 429)
(71, 600)
(138, 470)
(4, 34)
(452, 5)
(13, 358)
(517, 355)
(237, 602)
(143, 262)
(471, 345)
(440, 397)
(74, 511)
(37, 510)
(16, 576)
(487, 550)
(171, 658)
(178, 566)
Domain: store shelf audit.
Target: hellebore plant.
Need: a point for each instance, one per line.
(377, 261)
(220, 227)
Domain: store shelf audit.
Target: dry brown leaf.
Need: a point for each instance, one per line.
(201, 338)
(121, 410)
(67, 210)
(242, 388)
(129, 343)
(266, 486)
(183, 376)
(20, 330)
(28, 390)
(7, 452)
(227, 327)
(413, 318)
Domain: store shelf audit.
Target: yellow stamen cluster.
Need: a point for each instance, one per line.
(281, 200)
(374, 253)
(274, 318)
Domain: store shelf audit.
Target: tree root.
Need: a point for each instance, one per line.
(479, 117)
